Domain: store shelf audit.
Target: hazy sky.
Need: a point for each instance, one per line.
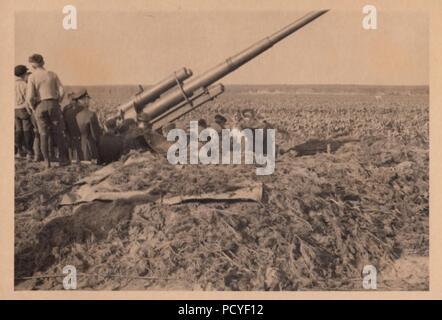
(137, 47)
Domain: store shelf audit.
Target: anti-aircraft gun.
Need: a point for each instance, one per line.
(180, 93)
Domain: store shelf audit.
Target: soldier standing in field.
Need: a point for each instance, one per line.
(73, 138)
(88, 125)
(23, 124)
(44, 92)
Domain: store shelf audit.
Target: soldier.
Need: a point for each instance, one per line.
(219, 123)
(23, 124)
(44, 93)
(248, 119)
(89, 128)
(70, 112)
(144, 121)
(166, 128)
(202, 124)
(133, 132)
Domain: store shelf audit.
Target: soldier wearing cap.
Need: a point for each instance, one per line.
(23, 124)
(44, 93)
(73, 135)
(88, 126)
(248, 119)
(144, 121)
(219, 123)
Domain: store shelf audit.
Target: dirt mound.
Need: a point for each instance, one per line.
(321, 220)
(89, 222)
(322, 217)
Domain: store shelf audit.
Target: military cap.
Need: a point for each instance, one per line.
(79, 93)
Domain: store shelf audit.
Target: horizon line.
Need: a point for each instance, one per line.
(268, 84)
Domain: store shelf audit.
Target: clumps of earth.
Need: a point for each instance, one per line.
(320, 220)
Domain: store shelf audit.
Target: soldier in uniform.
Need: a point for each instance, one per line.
(44, 93)
(88, 126)
(70, 112)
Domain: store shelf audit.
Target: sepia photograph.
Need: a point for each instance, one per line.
(221, 150)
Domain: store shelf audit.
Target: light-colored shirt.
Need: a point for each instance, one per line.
(20, 93)
(43, 85)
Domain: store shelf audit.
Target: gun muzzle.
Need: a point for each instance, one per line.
(137, 103)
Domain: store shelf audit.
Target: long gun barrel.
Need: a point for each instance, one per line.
(182, 98)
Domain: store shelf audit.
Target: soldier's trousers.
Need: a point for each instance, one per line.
(51, 128)
(36, 144)
(75, 151)
(23, 131)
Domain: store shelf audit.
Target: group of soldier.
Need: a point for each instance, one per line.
(44, 131)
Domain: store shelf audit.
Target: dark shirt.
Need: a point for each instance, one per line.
(88, 125)
(90, 132)
(70, 118)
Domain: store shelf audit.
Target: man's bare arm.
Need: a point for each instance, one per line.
(30, 93)
(61, 91)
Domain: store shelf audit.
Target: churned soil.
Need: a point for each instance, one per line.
(323, 216)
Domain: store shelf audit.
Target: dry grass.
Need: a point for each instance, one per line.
(323, 217)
